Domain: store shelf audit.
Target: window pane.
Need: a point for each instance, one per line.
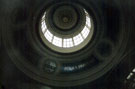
(67, 43)
(43, 26)
(57, 41)
(85, 32)
(48, 35)
(78, 39)
(88, 23)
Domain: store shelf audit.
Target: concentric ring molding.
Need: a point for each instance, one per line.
(82, 78)
(67, 43)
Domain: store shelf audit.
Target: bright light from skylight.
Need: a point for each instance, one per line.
(78, 39)
(48, 36)
(85, 32)
(66, 42)
(57, 41)
(43, 27)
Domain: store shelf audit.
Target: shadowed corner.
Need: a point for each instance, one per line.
(0, 61)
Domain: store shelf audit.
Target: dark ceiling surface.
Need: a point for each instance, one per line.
(12, 78)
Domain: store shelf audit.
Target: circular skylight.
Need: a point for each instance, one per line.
(67, 44)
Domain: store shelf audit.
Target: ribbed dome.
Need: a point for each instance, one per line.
(66, 19)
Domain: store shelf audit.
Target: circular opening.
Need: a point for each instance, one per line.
(65, 17)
